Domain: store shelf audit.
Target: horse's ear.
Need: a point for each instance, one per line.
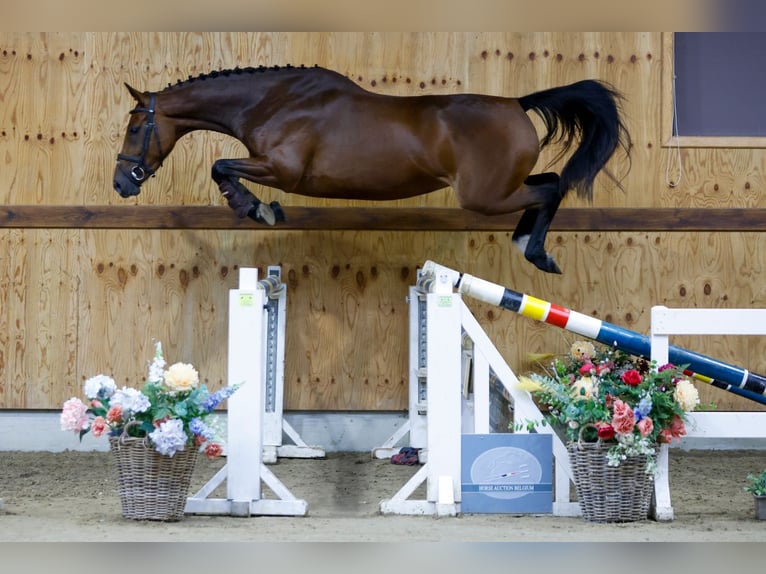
(138, 96)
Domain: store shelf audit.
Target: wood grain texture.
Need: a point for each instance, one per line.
(89, 280)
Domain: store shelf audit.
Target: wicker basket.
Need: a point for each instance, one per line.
(151, 486)
(610, 493)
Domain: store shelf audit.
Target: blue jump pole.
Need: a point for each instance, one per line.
(716, 373)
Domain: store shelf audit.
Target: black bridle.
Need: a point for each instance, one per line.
(141, 170)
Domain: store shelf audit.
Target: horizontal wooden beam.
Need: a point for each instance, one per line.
(376, 218)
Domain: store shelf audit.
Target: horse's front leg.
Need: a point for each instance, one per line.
(239, 198)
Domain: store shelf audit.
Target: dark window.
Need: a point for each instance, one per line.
(720, 84)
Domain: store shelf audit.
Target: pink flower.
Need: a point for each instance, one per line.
(74, 416)
(603, 369)
(631, 377)
(677, 427)
(587, 368)
(114, 414)
(213, 450)
(623, 419)
(665, 436)
(98, 427)
(96, 404)
(645, 426)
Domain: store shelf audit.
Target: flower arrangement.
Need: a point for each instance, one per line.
(172, 409)
(604, 394)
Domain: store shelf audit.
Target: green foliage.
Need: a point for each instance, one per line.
(757, 483)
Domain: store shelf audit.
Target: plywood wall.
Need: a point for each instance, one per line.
(76, 302)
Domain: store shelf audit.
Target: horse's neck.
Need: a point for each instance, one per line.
(217, 104)
(197, 107)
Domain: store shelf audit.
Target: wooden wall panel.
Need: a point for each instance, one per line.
(81, 301)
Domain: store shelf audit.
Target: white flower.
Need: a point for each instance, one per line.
(181, 377)
(581, 350)
(583, 388)
(99, 387)
(686, 395)
(131, 401)
(169, 437)
(157, 366)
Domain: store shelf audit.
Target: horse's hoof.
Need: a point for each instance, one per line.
(544, 262)
(263, 214)
(550, 266)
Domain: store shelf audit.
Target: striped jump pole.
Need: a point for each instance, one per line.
(716, 373)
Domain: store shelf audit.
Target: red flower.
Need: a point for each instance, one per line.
(586, 369)
(631, 377)
(199, 440)
(605, 431)
(213, 450)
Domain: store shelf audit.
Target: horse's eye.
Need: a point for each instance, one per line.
(134, 129)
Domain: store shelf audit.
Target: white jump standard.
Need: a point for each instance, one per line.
(247, 364)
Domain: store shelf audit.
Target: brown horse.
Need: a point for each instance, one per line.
(314, 132)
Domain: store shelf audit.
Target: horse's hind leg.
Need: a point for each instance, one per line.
(535, 222)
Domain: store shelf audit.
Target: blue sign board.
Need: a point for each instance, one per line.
(507, 473)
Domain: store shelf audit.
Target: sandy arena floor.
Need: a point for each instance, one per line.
(72, 496)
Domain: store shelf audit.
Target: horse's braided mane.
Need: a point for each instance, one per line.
(234, 72)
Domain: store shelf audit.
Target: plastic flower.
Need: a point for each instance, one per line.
(131, 400)
(181, 377)
(99, 387)
(601, 393)
(171, 410)
(686, 395)
(644, 407)
(215, 399)
(98, 426)
(583, 388)
(213, 450)
(631, 377)
(114, 414)
(200, 428)
(623, 419)
(157, 366)
(74, 416)
(169, 437)
(605, 431)
(582, 350)
(645, 426)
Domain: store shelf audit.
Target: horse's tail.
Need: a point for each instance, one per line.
(589, 111)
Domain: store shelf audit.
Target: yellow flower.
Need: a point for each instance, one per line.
(583, 388)
(527, 384)
(181, 377)
(686, 395)
(581, 349)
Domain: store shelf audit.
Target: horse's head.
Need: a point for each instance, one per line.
(142, 152)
